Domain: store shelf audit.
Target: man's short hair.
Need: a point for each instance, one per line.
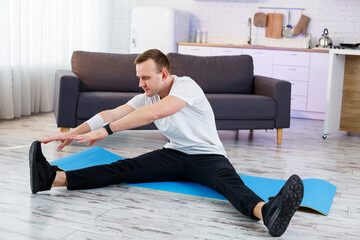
(160, 59)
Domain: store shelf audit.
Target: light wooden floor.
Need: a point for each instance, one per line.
(119, 212)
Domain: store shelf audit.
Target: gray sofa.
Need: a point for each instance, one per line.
(240, 100)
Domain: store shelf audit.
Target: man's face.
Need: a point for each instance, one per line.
(149, 78)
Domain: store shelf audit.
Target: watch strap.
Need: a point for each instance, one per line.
(108, 129)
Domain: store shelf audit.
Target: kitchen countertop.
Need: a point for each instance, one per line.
(343, 86)
(345, 51)
(253, 47)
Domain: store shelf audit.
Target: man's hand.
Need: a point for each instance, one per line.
(64, 138)
(91, 137)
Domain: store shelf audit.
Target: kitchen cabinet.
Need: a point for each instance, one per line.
(306, 71)
(263, 61)
(292, 58)
(293, 67)
(317, 82)
(195, 50)
(209, 51)
(291, 73)
(224, 51)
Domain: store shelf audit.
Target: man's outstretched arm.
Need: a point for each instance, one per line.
(140, 117)
(107, 116)
(148, 114)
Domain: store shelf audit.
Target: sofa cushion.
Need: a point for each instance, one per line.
(242, 106)
(220, 74)
(91, 103)
(105, 71)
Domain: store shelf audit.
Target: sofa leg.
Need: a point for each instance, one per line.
(64, 130)
(251, 131)
(279, 133)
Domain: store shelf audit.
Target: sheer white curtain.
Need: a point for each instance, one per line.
(36, 38)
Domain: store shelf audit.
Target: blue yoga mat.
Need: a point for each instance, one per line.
(318, 194)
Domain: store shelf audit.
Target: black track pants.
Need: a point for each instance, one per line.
(214, 171)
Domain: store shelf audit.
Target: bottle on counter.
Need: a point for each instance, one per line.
(204, 36)
(198, 36)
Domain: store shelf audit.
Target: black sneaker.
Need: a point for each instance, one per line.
(278, 212)
(42, 174)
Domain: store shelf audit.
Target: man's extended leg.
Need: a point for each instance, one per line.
(278, 212)
(42, 174)
(156, 166)
(159, 165)
(60, 179)
(217, 172)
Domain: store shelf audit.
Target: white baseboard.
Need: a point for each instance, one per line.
(308, 115)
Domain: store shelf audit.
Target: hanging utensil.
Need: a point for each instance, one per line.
(260, 19)
(288, 30)
(273, 25)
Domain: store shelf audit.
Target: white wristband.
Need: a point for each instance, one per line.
(96, 122)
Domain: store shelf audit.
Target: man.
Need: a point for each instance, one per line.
(180, 110)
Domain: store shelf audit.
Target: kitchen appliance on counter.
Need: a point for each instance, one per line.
(352, 46)
(325, 40)
(355, 46)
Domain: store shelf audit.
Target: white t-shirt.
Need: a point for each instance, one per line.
(192, 130)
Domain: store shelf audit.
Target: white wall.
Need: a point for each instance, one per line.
(226, 20)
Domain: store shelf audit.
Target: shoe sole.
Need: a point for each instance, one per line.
(33, 176)
(292, 196)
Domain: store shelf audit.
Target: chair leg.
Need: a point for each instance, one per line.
(279, 133)
(64, 130)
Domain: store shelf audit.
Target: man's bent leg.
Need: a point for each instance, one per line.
(156, 166)
(217, 172)
(278, 212)
(257, 210)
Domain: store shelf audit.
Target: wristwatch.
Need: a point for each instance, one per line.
(107, 127)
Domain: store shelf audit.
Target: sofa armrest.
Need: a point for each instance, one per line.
(280, 91)
(66, 98)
